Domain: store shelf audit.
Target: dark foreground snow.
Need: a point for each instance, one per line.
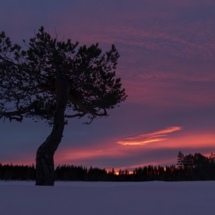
(106, 198)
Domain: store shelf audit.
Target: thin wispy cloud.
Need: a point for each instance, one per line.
(143, 139)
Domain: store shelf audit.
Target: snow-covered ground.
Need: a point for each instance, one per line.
(108, 198)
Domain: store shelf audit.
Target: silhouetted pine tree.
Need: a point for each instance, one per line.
(180, 160)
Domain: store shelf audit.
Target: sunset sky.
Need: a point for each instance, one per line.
(167, 66)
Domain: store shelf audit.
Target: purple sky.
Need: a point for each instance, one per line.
(167, 66)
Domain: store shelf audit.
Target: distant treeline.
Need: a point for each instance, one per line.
(188, 168)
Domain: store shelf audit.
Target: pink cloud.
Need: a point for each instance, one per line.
(155, 153)
(173, 93)
(189, 40)
(143, 139)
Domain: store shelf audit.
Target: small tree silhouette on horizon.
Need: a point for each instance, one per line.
(54, 81)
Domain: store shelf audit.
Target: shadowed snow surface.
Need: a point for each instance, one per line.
(108, 198)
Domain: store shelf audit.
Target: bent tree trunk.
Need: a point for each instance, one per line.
(45, 153)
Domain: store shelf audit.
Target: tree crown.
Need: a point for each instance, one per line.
(29, 78)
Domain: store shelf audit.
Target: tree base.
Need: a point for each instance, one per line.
(44, 167)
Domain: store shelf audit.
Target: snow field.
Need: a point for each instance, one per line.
(108, 198)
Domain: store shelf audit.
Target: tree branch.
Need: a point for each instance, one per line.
(100, 114)
(17, 115)
(83, 114)
(75, 115)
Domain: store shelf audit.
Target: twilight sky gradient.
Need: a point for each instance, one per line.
(167, 66)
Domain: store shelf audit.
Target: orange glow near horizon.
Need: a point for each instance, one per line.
(129, 172)
(131, 168)
(113, 150)
(118, 151)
